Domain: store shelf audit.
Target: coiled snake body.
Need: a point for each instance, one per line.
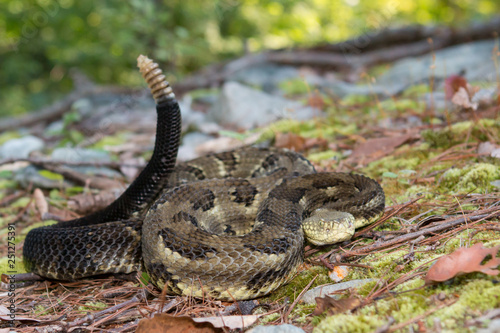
(229, 225)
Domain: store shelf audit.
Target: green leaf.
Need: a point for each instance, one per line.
(294, 87)
(21, 202)
(4, 183)
(407, 173)
(71, 117)
(74, 190)
(5, 174)
(75, 136)
(8, 135)
(50, 175)
(389, 174)
(114, 140)
(234, 135)
(145, 278)
(55, 195)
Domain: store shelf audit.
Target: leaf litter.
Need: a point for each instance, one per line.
(429, 221)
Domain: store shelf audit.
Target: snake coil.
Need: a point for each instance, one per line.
(229, 225)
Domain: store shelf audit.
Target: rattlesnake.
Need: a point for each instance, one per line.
(229, 225)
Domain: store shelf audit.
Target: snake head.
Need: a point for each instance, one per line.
(326, 226)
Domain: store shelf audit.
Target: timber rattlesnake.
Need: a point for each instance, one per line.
(228, 225)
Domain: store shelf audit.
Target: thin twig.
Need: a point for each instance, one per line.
(102, 313)
(483, 214)
(395, 210)
(11, 198)
(287, 313)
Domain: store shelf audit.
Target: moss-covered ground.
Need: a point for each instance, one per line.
(433, 176)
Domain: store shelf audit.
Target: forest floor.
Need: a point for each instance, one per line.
(439, 168)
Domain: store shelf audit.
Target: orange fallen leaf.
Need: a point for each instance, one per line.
(339, 273)
(465, 260)
(290, 141)
(163, 323)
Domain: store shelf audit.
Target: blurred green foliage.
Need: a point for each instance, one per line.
(41, 40)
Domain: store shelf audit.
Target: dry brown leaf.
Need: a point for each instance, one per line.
(290, 141)
(374, 149)
(464, 260)
(87, 202)
(334, 306)
(315, 143)
(315, 100)
(462, 98)
(40, 203)
(164, 323)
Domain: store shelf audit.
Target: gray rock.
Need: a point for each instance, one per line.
(115, 116)
(246, 108)
(400, 123)
(54, 128)
(117, 112)
(472, 58)
(342, 89)
(187, 151)
(210, 127)
(207, 97)
(135, 116)
(266, 76)
(78, 155)
(321, 291)
(84, 106)
(493, 327)
(21, 148)
(31, 175)
(285, 328)
(486, 148)
(437, 101)
(191, 118)
(485, 96)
